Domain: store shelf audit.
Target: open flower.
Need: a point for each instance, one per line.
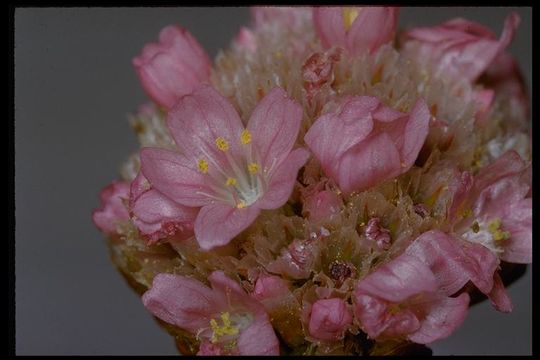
(460, 48)
(173, 67)
(230, 171)
(455, 261)
(224, 318)
(402, 299)
(329, 319)
(501, 209)
(112, 207)
(365, 142)
(156, 216)
(356, 29)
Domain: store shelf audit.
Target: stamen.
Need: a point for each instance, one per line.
(494, 227)
(222, 144)
(245, 137)
(349, 15)
(241, 205)
(226, 329)
(253, 168)
(230, 181)
(203, 166)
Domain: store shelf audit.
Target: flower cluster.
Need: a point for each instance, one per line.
(327, 185)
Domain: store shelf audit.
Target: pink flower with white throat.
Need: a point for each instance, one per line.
(502, 209)
(173, 67)
(112, 207)
(365, 142)
(224, 318)
(230, 171)
(356, 29)
(402, 299)
(460, 48)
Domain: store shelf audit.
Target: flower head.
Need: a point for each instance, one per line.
(365, 142)
(173, 67)
(228, 170)
(224, 318)
(357, 29)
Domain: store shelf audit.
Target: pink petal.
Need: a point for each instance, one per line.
(175, 176)
(371, 312)
(443, 318)
(499, 297)
(374, 160)
(270, 287)
(181, 301)
(245, 40)
(518, 221)
(173, 67)
(199, 119)
(374, 26)
(329, 319)
(112, 207)
(208, 349)
(398, 280)
(508, 164)
(157, 216)
(455, 262)
(283, 179)
(329, 25)
(217, 224)
(415, 133)
(274, 126)
(353, 122)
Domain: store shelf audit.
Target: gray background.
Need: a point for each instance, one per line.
(74, 85)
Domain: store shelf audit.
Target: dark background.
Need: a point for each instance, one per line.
(74, 85)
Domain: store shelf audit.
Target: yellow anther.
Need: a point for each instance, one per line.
(278, 55)
(349, 15)
(231, 181)
(203, 166)
(221, 330)
(222, 144)
(466, 212)
(241, 205)
(245, 137)
(253, 167)
(494, 227)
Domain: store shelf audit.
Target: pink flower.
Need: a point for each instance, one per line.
(377, 234)
(322, 205)
(173, 67)
(269, 289)
(460, 48)
(329, 319)
(502, 209)
(156, 216)
(356, 29)
(402, 299)
(225, 318)
(112, 207)
(365, 142)
(455, 261)
(230, 171)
